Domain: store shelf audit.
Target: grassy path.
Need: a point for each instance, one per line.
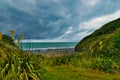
(77, 73)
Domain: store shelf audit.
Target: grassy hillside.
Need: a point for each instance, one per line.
(16, 64)
(7, 47)
(105, 41)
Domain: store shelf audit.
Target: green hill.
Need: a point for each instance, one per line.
(15, 64)
(105, 41)
(7, 47)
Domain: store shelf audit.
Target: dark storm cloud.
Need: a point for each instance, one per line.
(50, 19)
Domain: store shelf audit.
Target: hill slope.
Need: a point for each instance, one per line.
(7, 47)
(15, 64)
(105, 40)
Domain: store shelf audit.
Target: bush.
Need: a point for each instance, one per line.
(19, 68)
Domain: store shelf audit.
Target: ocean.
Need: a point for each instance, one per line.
(47, 45)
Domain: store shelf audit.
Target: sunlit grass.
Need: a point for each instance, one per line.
(64, 72)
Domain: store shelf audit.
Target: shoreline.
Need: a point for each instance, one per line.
(52, 50)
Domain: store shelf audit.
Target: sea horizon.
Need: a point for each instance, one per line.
(43, 45)
(44, 40)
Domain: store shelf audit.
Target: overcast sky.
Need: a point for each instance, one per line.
(56, 19)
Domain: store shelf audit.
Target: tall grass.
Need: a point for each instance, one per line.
(102, 63)
(19, 67)
(15, 64)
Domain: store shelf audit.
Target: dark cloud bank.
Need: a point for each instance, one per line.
(53, 19)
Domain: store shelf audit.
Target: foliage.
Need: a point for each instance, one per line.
(22, 36)
(11, 33)
(7, 39)
(16, 68)
(16, 64)
(102, 63)
(1, 35)
(103, 41)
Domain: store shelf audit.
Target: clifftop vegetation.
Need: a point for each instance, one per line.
(105, 41)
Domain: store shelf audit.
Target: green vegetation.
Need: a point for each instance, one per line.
(16, 64)
(109, 35)
(77, 73)
(97, 58)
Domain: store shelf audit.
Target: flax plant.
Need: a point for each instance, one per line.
(18, 68)
(16, 64)
(18, 42)
(101, 45)
(22, 38)
(91, 49)
(1, 35)
(11, 33)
